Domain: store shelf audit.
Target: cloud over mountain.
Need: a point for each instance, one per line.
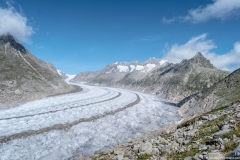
(228, 61)
(15, 23)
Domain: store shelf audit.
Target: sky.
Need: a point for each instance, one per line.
(86, 35)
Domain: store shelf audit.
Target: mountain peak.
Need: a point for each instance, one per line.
(201, 60)
(198, 55)
(8, 38)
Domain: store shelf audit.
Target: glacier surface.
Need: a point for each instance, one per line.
(90, 121)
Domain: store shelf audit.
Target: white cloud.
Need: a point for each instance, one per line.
(227, 61)
(219, 9)
(168, 21)
(15, 23)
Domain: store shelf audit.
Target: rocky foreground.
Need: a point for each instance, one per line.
(214, 135)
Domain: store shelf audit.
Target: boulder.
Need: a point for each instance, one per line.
(220, 133)
(238, 115)
(135, 147)
(188, 158)
(163, 141)
(236, 153)
(180, 140)
(203, 148)
(146, 147)
(215, 154)
(118, 152)
(17, 92)
(119, 157)
(155, 151)
(204, 117)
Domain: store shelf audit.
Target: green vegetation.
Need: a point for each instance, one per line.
(144, 156)
(166, 136)
(204, 132)
(230, 146)
(229, 134)
(217, 109)
(183, 155)
(209, 128)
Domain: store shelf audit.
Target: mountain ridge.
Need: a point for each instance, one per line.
(24, 77)
(225, 92)
(170, 81)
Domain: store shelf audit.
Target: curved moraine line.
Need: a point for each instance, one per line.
(64, 109)
(67, 126)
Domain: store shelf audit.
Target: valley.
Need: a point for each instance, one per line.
(81, 124)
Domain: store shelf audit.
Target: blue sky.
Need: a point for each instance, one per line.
(86, 35)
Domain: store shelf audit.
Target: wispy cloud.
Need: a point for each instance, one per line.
(15, 23)
(167, 21)
(228, 61)
(219, 9)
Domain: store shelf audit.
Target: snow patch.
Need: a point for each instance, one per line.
(59, 72)
(139, 67)
(162, 62)
(123, 68)
(132, 68)
(70, 77)
(150, 67)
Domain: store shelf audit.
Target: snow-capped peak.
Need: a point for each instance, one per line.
(59, 72)
(161, 62)
(145, 67)
(65, 76)
(122, 68)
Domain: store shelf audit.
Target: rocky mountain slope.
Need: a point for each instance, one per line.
(23, 77)
(171, 81)
(181, 80)
(223, 93)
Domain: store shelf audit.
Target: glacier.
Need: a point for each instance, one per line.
(80, 124)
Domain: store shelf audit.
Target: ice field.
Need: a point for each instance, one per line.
(80, 124)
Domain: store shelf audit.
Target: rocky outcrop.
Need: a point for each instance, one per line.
(171, 81)
(194, 139)
(23, 77)
(223, 93)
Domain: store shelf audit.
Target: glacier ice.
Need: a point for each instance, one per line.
(85, 138)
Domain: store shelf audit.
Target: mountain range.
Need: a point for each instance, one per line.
(195, 85)
(171, 81)
(24, 77)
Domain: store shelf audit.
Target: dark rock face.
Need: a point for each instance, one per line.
(13, 43)
(24, 77)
